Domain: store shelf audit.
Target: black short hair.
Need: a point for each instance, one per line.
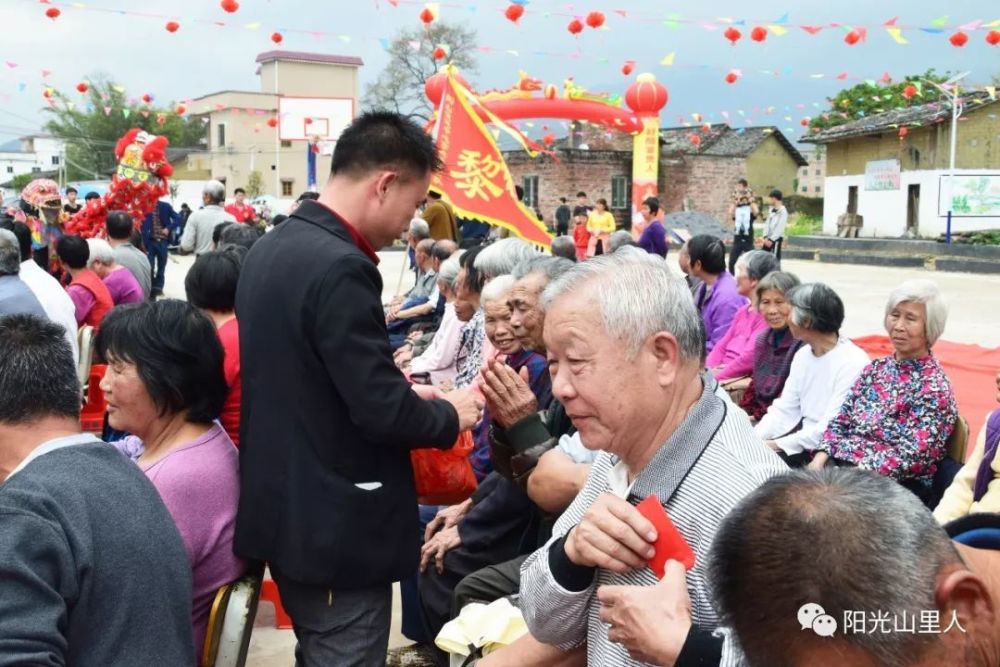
(710, 251)
(562, 200)
(519, 191)
(23, 234)
(743, 182)
(91, 195)
(308, 194)
(73, 251)
(176, 352)
(777, 194)
(581, 194)
(217, 231)
(239, 235)
(37, 371)
(211, 281)
(474, 280)
(72, 189)
(119, 225)
(653, 203)
(238, 191)
(384, 140)
(817, 304)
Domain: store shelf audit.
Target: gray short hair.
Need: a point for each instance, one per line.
(619, 239)
(215, 190)
(420, 229)
(501, 257)
(100, 251)
(545, 265)
(497, 289)
(758, 263)
(638, 296)
(10, 253)
(923, 291)
(448, 272)
(787, 544)
(817, 304)
(563, 246)
(777, 281)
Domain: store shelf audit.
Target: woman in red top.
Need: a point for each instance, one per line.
(211, 286)
(89, 294)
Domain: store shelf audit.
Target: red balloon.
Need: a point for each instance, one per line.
(758, 34)
(910, 92)
(695, 140)
(732, 34)
(575, 27)
(853, 37)
(959, 39)
(903, 132)
(732, 77)
(82, 87)
(229, 6)
(272, 122)
(595, 19)
(427, 16)
(47, 93)
(804, 122)
(53, 13)
(277, 38)
(514, 12)
(993, 37)
(181, 110)
(627, 68)
(173, 26)
(147, 98)
(548, 139)
(440, 54)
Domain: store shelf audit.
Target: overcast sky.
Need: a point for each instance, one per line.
(202, 58)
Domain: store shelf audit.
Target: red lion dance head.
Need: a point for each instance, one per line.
(141, 179)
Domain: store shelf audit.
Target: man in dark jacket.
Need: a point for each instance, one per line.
(328, 422)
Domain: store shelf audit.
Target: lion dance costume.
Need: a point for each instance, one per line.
(136, 186)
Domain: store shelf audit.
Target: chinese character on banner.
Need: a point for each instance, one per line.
(475, 175)
(930, 622)
(855, 622)
(954, 622)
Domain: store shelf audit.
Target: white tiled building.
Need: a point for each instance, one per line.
(31, 154)
(809, 180)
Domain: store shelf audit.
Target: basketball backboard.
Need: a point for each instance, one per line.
(303, 118)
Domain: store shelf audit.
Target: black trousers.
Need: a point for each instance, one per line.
(741, 244)
(488, 584)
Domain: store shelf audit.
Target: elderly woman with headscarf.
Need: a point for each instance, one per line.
(898, 415)
(822, 373)
(733, 356)
(775, 346)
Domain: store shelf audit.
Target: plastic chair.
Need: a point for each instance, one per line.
(92, 415)
(269, 593)
(230, 623)
(958, 441)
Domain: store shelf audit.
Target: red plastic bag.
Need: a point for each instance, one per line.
(444, 476)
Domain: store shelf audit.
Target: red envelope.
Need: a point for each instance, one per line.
(670, 544)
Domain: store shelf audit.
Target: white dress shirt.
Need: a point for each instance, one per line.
(54, 299)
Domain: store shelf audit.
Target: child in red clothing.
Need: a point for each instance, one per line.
(581, 237)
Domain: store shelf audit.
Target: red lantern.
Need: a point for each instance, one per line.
(804, 122)
(853, 37)
(993, 37)
(628, 67)
(82, 87)
(903, 132)
(575, 27)
(695, 140)
(181, 110)
(426, 16)
(47, 93)
(272, 122)
(758, 34)
(732, 77)
(707, 127)
(548, 139)
(595, 19)
(733, 35)
(277, 38)
(161, 119)
(173, 26)
(910, 92)
(440, 54)
(229, 6)
(514, 13)
(308, 121)
(53, 13)
(147, 98)
(959, 39)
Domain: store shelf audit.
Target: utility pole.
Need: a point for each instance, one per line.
(950, 88)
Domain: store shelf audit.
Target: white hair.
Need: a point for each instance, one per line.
(448, 272)
(638, 296)
(100, 251)
(497, 289)
(923, 291)
(215, 190)
(420, 229)
(501, 257)
(758, 263)
(10, 253)
(620, 239)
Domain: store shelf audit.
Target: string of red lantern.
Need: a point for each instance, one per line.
(53, 13)
(173, 26)
(575, 27)
(229, 6)
(595, 19)
(758, 34)
(514, 13)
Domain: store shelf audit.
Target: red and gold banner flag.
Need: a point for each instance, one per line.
(475, 179)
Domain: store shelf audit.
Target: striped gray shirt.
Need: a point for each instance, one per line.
(706, 467)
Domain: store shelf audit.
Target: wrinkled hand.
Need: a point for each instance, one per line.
(437, 547)
(413, 336)
(612, 535)
(404, 356)
(468, 407)
(651, 622)
(819, 461)
(507, 393)
(447, 518)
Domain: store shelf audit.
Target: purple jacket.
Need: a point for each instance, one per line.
(719, 308)
(654, 239)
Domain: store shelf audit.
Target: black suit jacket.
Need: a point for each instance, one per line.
(325, 410)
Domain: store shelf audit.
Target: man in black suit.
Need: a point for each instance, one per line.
(328, 422)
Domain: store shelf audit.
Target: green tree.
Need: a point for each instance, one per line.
(400, 86)
(21, 181)
(91, 133)
(868, 99)
(255, 184)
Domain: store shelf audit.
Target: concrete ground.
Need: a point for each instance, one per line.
(864, 290)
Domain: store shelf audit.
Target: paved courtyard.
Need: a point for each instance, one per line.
(974, 318)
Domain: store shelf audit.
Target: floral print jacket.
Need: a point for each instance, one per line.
(896, 420)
